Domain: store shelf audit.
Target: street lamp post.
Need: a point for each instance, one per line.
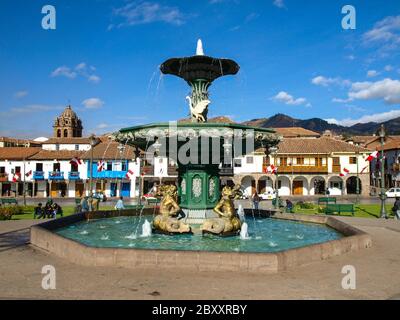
(92, 144)
(274, 152)
(357, 182)
(382, 135)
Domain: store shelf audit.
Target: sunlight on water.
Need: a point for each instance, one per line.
(272, 235)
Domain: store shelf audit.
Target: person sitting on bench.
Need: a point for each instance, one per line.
(39, 212)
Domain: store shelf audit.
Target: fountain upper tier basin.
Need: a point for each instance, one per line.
(199, 67)
(144, 135)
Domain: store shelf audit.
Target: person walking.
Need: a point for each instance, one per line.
(84, 204)
(396, 208)
(256, 200)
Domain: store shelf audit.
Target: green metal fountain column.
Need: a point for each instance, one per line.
(199, 186)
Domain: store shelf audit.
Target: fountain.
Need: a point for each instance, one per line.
(193, 216)
(199, 148)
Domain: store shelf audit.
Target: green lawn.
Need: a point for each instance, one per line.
(361, 210)
(67, 211)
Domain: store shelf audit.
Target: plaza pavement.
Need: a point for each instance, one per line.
(377, 274)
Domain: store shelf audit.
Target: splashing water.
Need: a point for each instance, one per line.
(240, 213)
(146, 229)
(244, 235)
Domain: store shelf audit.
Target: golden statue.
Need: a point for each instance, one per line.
(166, 221)
(228, 221)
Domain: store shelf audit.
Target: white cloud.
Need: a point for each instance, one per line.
(31, 108)
(93, 78)
(279, 4)
(350, 57)
(385, 30)
(378, 117)
(288, 99)
(386, 89)
(20, 94)
(339, 100)
(102, 126)
(325, 82)
(80, 69)
(142, 12)
(64, 72)
(388, 68)
(372, 73)
(93, 103)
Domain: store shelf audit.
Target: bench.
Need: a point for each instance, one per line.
(9, 201)
(339, 208)
(326, 200)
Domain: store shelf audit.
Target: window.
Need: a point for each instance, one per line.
(57, 147)
(352, 160)
(17, 169)
(2, 169)
(124, 166)
(77, 147)
(336, 185)
(56, 167)
(74, 167)
(249, 160)
(267, 160)
(237, 163)
(299, 160)
(336, 161)
(39, 166)
(283, 161)
(65, 133)
(109, 166)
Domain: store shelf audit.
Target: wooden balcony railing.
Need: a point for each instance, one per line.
(148, 170)
(3, 177)
(336, 168)
(302, 169)
(172, 170)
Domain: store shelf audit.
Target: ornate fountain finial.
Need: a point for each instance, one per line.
(199, 49)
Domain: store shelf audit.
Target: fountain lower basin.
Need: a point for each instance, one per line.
(275, 244)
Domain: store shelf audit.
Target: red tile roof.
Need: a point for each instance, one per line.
(17, 153)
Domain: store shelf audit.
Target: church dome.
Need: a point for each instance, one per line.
(69, 113)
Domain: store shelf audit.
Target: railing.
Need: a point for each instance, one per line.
(147, 170)
(56, 175)
(336, 168)
(172, 171)
(3, 177)
(73, 175)
(108, 174)
(38, 175)
(302, 169)
(226, 171)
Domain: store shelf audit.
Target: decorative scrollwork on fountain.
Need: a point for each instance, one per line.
(166, 221)
(228, 222)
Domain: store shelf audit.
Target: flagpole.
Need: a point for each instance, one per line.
(357, 182)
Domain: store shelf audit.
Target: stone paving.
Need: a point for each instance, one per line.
(377, 270)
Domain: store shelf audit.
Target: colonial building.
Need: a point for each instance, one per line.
(306, 167)
(68, 125)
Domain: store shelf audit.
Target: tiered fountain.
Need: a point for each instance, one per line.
(199, 148)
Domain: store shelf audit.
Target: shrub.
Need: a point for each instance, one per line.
(305, 205)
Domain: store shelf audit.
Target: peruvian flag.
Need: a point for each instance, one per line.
(372, 156)
(129, 174)
(101, 166)
(28, 174)
(272, 169)
(75, 161)
(16, 176)
(344, 172)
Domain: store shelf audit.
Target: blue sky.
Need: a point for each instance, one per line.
(103, 58)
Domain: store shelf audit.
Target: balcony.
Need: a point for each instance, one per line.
(38, 175)
(56, 175)
(73, 175)
(108, 174)
(172, 170)
(336, 168)
(3, 177)
(148, 170)
(296, 169)
(226, 171)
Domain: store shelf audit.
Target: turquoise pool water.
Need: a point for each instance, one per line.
(266, 235)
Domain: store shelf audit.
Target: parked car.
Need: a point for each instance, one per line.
(393, 193)
(268, 195)
(149, 197)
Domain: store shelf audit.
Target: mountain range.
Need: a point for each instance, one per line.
(319, 125)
